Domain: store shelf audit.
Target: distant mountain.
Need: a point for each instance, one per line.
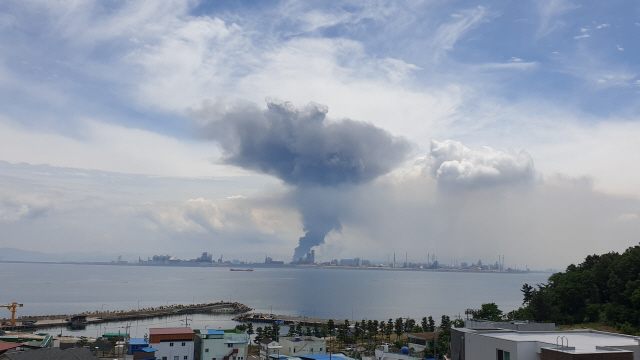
(11, 254)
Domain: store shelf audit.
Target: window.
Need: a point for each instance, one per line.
(503, 355)
(206, 350)
(229, 345)
(176, 357)
(164, 358)
(183, 344)
(186, 357)
(170, 344)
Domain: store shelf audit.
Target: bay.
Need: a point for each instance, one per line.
(338, 293)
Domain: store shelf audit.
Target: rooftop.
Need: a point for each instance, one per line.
(170, 331)
(8, 345)
(138, 341)
(579, 341)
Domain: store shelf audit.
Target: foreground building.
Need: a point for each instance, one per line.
(176, 343)
(420, 341)
(50, 353)
(269, 349)
(504, 344)
(213, 344)
(303, 345)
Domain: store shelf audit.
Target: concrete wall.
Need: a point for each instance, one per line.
(290, 347)
(478, 347)
(165, 349)
(519, 326)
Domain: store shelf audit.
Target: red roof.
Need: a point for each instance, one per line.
(170, 331)
(4, 346)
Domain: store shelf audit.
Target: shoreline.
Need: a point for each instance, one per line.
(99, 317)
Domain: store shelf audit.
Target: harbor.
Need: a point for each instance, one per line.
(97, 317)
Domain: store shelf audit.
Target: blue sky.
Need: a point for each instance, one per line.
(522, 120)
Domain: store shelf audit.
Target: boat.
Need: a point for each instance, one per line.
(232, 269)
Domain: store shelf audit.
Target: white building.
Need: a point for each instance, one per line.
(502, 344)
(175, 343)
(213, 344)
(269, 348)
(303, 345)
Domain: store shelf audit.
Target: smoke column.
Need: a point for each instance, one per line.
(306, 152)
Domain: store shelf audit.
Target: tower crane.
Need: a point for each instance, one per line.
(12, 307)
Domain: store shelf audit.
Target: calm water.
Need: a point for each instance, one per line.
(324, 293)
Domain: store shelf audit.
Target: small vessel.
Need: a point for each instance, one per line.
(232, 269)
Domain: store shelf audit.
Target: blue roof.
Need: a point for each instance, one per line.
(148, 349)
(322, 357)
(212, 332)
(137, 341)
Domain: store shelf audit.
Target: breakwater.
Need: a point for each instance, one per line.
(283, 319)
(96, 317)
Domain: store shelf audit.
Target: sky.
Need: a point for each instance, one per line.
(467, 130)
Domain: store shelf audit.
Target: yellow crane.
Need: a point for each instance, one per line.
(12, 307)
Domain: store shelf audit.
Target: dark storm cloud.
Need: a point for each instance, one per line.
(300, 147)
(304, 150)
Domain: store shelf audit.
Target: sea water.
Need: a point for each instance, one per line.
(338, 293)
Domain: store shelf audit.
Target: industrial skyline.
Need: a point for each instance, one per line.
(347, 128)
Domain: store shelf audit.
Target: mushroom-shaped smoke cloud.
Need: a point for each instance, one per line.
(305, 151)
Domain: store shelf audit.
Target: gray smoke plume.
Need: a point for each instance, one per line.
(302, 149)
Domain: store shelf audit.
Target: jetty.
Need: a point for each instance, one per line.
(284, 319)
(97, 317)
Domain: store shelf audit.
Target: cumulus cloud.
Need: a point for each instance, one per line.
(13, 209)
(454, 165)
(305, 150)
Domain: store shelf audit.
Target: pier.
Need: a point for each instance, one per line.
(97, 317)
(284, 319)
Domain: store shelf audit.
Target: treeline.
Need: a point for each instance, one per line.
(604, 289)
(366, 333)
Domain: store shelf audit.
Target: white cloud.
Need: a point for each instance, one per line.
(455, 166)
(512, 65)
(627, 217)
(24, 206)
(602, 26)
(112, 148)
(619, 47)
(550, 12)
(448, 34)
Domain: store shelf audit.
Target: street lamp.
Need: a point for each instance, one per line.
(102, 311)
(194, 300)
(139, 305)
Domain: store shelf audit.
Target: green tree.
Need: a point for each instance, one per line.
(276, 331)
(408, 325)
(331, 327)
(250, 329)
(432, 325)
(424, 324)
(489, 311)
(389, 330)
(399, 327)
(292, 331)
